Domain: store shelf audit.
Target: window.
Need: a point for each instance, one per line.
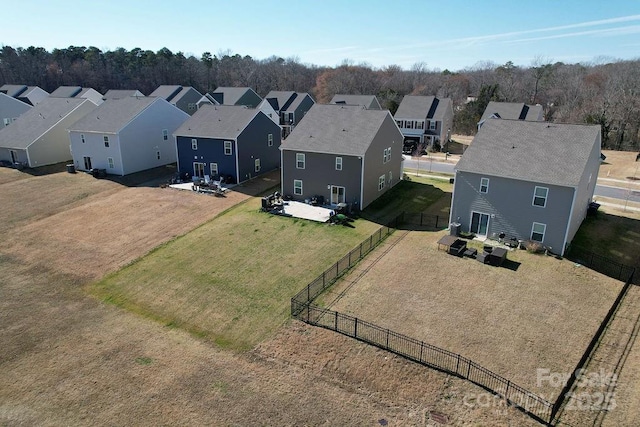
(213, 169)
(7, 122)
(386, 155)
(399, 123)
(540, 196)
(338, 163)
(484, 185)
(537, 231)
(381, 183)
(165, 134)
(270, 140)
(227, 148)
(300, 160)
(82, 138)
(390, 178)
(106, 141)
(110, 161)
(297, 187)
(194, 144)
(420, 125)
(408, 124)
(257, 164)
(432, 125)
(192, 106)
(158, 155)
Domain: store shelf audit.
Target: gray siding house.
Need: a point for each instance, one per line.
(288, 108)
(345, 154)
(122, 93)
(126, 135)
(31, 95)
(11, 109)
(235, 142)
(425, 120)
(512, 111)
(39, 136)
(185, 98)
(529, 180)
(369, 102)
(78, 92)
(236, 96)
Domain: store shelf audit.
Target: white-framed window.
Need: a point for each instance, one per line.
(270, 140)
(420, 124)
(213, 169)
(105, 138)
(338, 163)
(381, 183)
(390, 178)
(165, 134)
(540, 196)
(300, 161)
(297, 187)
(386, 155)
(194, 144)
(484, 185)
(537, 231)
(7, 122)
(227, 148)
(110, 162)
(158, 155)
(82, 138)
(192, 106)
(257, 165)
(432, 125)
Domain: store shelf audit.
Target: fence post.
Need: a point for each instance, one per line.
(437, 221)
(308, 293)
(337, 270)
(336, 328)
(506, 393)
(387, 339)
(349, 258)
(355, 328)
(360, 249)
(370, 242)
(421, 348)
(458, 364)
(323, 278)
(468, 368)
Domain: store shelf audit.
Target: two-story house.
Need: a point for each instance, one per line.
(342, 154)
(11, 109)
(236, 96)
(286, 108)
(185, 98)
(512, 111)
(528, 180)
(370, 102)
(425, 121)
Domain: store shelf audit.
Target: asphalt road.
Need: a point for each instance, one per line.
(425, 166)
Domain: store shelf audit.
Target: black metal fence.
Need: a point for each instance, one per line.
(599, 263)
(426, 221)
(426, 354)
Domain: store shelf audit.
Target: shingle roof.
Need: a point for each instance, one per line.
(121, 93)
(298, 100)
(550, 153)
(279, 99)
(231, 95)
(336, 129)
(35, 122)
(66, 92)
(13, 90)
(113, 114)
(416, 107)
(217, 121)
(369, 101)
(512, 111)
(166, 91)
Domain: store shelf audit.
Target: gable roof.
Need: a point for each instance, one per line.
(12, 106)
(166, 91)
(549, 153)
(369, 101)
(512, 111)
(279, 99)
(417, 107)
(113, 114)
(336, 129)
(217, 121)
(35, 122)
(66, 92)
(231, 95)
(122, 93)
(13, 90)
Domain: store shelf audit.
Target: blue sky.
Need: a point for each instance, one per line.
(445, 34)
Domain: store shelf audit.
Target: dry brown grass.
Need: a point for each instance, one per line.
(67, 359)
(541, 315)
(620, 165)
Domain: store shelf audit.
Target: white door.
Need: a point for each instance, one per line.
(479, 223)
(337, 195)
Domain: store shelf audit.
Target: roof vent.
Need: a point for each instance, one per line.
(344, 130)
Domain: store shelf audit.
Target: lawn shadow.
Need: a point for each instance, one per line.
(511, 264)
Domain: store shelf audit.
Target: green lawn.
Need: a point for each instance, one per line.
(231, 280)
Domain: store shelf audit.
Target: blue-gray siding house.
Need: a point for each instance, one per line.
(184, 97)
(342, 154)
(234, 142)
(369, 102)
(528, 180)
(11, 109)
(236, 96)
(287, 108)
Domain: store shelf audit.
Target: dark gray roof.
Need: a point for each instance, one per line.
(66, 92)
(300, 96)
(217, 121)
(13, 90)
(416, 107)
(336, 129)
(279, 99)
(512, 111)
(166, 91)
(35, 122)
(121, 93)
(231, 95)
(113, 114)
(369, 101)
(185, 90)
(550, 153)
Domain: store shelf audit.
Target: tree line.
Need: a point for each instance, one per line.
(605, 93)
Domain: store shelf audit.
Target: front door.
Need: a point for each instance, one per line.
(479, 223)
(198, 169)
(87, 163)
(337, 195)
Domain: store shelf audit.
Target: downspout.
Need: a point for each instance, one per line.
(281, 169)
(235, 141)
(566, 234)
(453, 196)
(361, 183)
(175, 143)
